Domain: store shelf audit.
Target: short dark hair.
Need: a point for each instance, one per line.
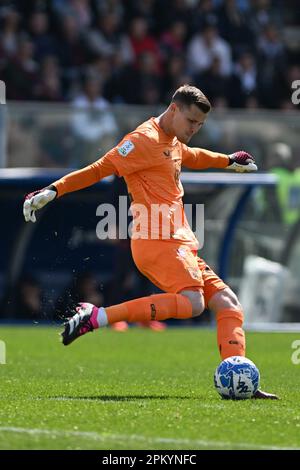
(187, 95)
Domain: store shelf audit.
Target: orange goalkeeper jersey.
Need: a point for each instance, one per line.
(150, 162)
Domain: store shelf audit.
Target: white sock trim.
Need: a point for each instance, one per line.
(102, 317)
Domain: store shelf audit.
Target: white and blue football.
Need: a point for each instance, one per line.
(237, 378)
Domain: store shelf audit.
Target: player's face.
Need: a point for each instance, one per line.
(187, 121)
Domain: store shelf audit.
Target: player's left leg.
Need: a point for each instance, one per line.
(229, 316)
(223, 302)
(230, 334)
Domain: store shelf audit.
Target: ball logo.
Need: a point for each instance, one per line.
(242, 386)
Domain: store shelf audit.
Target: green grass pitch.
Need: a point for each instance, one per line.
(141, 390)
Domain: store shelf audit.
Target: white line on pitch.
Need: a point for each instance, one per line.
(191, 443)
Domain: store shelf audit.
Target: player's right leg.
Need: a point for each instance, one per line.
(88, 317)
(173, 269)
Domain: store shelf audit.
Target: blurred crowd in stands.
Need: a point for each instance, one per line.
(241, 53)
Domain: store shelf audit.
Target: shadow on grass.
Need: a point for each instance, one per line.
(125, 397)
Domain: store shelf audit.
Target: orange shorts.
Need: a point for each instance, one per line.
(174, 267)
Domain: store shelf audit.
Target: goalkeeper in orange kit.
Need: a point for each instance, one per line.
(150, 160)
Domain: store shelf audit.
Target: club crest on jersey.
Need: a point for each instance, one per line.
(168, 153)
(126, 148)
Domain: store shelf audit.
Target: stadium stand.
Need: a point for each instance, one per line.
(242, 53)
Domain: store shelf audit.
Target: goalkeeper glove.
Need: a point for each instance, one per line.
(241, 161)
(37, 200)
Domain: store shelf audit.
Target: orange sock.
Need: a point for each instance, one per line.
(153, 307)
(230, 335)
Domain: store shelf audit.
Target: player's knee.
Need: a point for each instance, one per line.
(197, 300)
(231, 299)
(225, 299)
